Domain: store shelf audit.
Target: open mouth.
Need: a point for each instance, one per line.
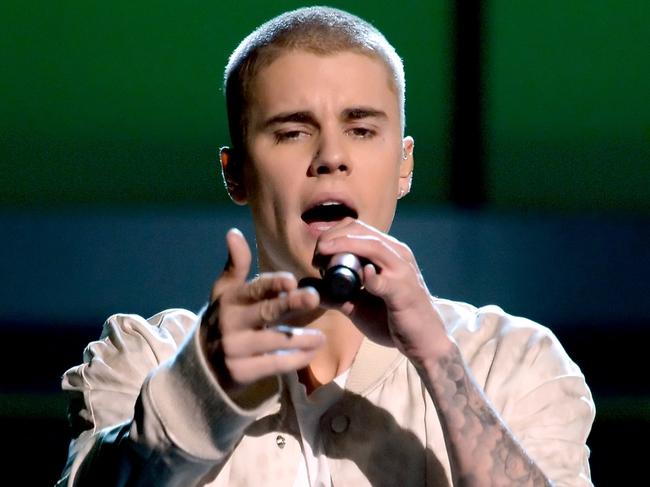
(328, 211)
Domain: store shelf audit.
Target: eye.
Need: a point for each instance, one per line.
(289, 135)
(361, 132)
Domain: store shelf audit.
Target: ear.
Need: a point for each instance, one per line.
(231, 170)
(406, 166)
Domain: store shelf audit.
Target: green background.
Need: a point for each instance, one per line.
(568, 104)
(120, 103)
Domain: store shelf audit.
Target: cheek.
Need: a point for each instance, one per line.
(385, 153)
(268, 198)
(381, 187)
(276, 164)
(380, 200)
(383, 168)
(261, 177)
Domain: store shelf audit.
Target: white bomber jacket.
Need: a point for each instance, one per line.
(151, 412)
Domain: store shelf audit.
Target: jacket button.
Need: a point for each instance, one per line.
(340, 423)
(280, 441)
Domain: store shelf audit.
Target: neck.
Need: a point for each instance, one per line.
(336, 356)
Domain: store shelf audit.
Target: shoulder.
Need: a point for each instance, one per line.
(488, 335)
(462, 318)
(130, 345)
(175, 322)
(531, 382)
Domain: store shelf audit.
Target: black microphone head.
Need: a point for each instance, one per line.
(342, 278)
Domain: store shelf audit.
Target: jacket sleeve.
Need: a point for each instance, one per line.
(147, 408)
(536, 388)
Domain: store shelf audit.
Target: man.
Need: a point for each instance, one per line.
(275, 383)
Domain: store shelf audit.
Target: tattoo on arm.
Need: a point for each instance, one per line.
(483, 451)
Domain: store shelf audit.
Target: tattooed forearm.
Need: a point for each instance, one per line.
(483, 451)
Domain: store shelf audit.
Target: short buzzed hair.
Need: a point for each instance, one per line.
(320, 30)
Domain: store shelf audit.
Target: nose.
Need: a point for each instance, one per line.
(331, 156)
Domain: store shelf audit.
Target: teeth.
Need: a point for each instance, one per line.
(330, 203)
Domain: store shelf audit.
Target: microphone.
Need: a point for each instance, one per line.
(342, 277)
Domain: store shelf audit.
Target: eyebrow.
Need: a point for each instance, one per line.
(307, 117)
(296, 117)
(359, 113)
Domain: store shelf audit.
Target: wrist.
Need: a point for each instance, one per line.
(246, 396)
(439, 353)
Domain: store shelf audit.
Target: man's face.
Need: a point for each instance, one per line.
(324, 142)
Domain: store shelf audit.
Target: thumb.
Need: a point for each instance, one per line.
(238, 264)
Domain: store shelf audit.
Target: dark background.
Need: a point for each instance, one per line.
(531, 190)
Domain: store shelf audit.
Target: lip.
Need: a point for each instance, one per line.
(321, 198)
(316, 229)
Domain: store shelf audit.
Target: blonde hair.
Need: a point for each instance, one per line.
(320, 30)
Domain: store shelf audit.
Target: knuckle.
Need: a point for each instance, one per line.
(404, 249)
(378, 243)
(256, 288)
(283, 281)
(297, 301)
(380, 286)
(294, 301)
(271, 283)
(357, 223)
(275, 284)
(269, 310)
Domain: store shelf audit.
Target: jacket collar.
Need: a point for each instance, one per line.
(371, 365)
